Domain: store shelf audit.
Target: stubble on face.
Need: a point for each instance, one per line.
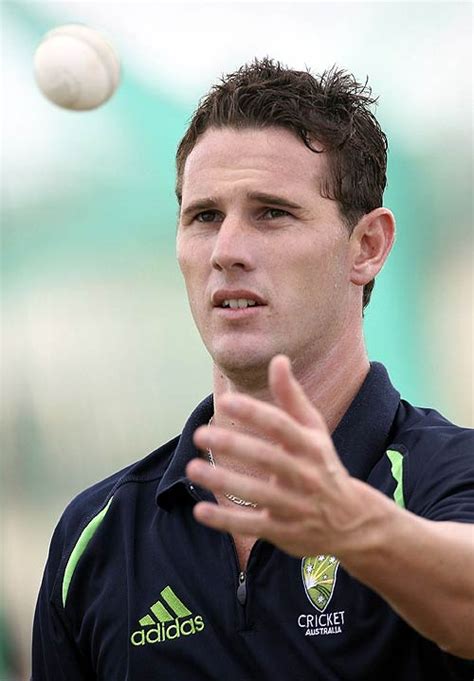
(297, 262)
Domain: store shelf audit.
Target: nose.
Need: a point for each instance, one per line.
(232, 246)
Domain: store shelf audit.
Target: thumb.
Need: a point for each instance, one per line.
(289, 394)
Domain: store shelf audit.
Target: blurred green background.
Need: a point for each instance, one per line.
(101, 362)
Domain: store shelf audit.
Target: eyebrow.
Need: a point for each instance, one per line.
(258, 197)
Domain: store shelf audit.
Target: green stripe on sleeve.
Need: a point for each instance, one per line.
(81, 545)
(396, 460)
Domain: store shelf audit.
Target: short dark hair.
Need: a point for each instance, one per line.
(332, 109)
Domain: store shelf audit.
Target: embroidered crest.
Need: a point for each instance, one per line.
(319, 579)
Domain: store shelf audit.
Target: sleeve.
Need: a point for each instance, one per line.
(55, 654)
(440, 484)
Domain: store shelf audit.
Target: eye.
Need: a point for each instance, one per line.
(206, 216)
(276, 213)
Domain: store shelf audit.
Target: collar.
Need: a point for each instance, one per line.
(360, 438)
(362, 434)
(174, 478)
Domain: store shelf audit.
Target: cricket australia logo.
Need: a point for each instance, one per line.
(319, 579)
(166, 621)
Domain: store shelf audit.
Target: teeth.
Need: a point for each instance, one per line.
(235, 303)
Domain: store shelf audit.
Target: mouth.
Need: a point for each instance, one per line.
(238, 308)
(239, 303)
(235, 300)
(234, 305)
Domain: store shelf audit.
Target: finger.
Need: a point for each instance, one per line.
(273, 423)
(284, 534)
(267, 457)
(276, 499)
(290, 396)
(230, 520)
(293, 472)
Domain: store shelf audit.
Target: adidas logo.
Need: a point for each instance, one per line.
(166, 622)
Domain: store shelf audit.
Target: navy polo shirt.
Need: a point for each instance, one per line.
(135, 589)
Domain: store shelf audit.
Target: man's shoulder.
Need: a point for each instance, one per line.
(92, 503)
(149, 469)
(423, 430)
(89, 510)
(431, 461)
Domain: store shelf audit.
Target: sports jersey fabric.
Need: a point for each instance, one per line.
(136, 590)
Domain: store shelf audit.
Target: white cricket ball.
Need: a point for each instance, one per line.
(76, 67)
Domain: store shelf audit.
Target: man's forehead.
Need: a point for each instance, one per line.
(268, 155)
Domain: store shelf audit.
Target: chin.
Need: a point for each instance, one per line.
(242, 364)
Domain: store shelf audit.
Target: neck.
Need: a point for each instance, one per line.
(331, 382)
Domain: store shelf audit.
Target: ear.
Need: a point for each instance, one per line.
(371, 241)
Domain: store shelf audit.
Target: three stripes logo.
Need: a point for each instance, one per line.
(166, 621)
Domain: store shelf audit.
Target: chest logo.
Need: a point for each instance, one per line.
(319, 579)
(167, 619)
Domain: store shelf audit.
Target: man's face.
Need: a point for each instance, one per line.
(254, 226)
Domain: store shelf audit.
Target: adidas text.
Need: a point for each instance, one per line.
(167, 631)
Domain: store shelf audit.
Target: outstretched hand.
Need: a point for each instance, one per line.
(307, 503)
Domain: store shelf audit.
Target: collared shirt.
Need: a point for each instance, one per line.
(135, 589)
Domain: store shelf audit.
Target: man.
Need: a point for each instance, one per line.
(345, 548)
